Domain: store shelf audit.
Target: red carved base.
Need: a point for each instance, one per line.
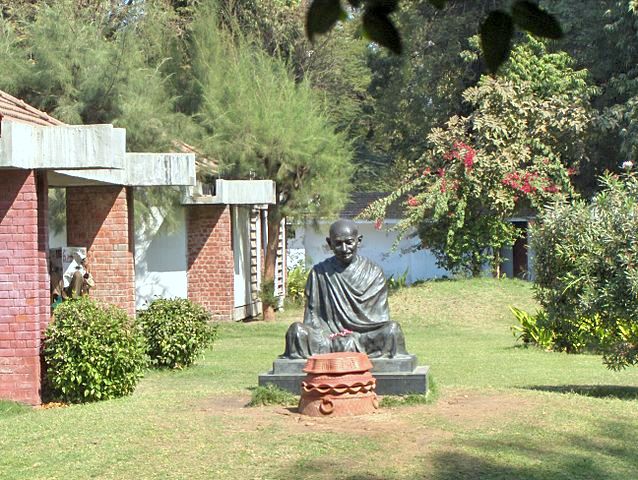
(338, 384)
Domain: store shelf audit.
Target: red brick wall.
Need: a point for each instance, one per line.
(100, 218)
(24, 282)
(210, 259)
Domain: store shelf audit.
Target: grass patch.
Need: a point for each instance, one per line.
(272, 395)
(502, 412)
(10, 409)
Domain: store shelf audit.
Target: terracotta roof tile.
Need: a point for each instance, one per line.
(15, 109)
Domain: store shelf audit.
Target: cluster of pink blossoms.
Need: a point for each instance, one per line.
(462, 152)
(527, 183)
(521, 182)
(412, 202)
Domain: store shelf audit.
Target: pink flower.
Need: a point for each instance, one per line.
(412, 202)
(378, 223)
(468, 159)
(551, 188)
(427, 171)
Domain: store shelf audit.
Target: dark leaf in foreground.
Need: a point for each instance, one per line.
(380, 29)
(383, 7)
(322, 15)
(496, 35)
(530, 17)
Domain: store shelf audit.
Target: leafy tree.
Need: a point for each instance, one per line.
(496, 31)
(258, 120)
(601, 37)
(515, 151)
(98, 62)
(586, 272)
(335, 67)
(114, 77)
(422, 88)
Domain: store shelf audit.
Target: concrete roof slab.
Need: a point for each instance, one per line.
(234, 192)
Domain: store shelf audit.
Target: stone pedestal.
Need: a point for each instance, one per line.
(395, 376)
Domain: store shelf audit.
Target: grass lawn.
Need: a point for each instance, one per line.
(503, 412)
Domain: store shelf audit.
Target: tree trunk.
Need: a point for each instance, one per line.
(270, 261)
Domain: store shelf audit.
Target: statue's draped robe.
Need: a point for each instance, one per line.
(345, 298)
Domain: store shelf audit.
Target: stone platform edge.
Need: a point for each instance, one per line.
(388, 383)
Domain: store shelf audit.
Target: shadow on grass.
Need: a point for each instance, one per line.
(597, 391)
(607, 451)
(11, 409)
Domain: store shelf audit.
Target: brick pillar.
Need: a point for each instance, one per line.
(101, 219)
(210, 259)
(24, 282)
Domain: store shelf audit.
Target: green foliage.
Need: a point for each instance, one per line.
(586, 268)
(496, 30)
(610, 28)
(511, 153)
(257, 120)
(267, 294)
(397, 283)
(177, 331)
(416, 92)
(92, 352)
(532, 329)
(272, 395)
(296, 286)
(100, 62)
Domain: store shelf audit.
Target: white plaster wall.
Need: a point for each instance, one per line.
(377, 245)
(161, 258)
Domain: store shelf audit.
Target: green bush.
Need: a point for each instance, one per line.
(92, 352)
(586, 267)
(272, 395)
(296, 284)
(532, 329)
(176, 331)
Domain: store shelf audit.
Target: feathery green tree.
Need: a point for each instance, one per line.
(258, 121)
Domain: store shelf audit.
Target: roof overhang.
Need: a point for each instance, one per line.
(140, 170)
(234, 192)
(61, 147)
(84, 155)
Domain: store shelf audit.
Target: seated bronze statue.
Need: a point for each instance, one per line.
(346, 305)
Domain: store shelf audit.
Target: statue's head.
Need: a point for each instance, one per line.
(344, 240)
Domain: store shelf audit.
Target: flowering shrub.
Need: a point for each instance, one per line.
(515, 152)
(587, 272)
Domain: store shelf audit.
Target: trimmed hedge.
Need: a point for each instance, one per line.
(177, 331)
(92, 351)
